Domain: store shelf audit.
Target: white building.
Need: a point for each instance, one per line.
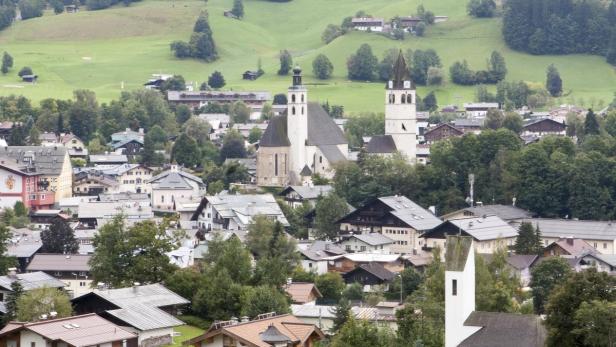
(314, 254)
(400, 116)
(373, 242)
(174, 185)
(479, 109)
(236, 212)
(73, 270)
(368, 24)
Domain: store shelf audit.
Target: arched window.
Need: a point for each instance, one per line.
(275, 164)
(302, 97)
(293, 110)
(402, 99)
(302, 109)
(292, 97)
(393, 98)
(409, 98)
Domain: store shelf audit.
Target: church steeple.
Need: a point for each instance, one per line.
(400, 78)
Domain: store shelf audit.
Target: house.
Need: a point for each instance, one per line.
(400, 116)
(71, 8)
(479, 109)
(368, 24)
(75, 331)
(489, 233)
(544, 126)
(300, 143)
(128, 142)
(94, 183)
(131, 178)
(314, 255)
(41, 219)
(409, 22)
(323, 315)
(28, 281)
(371, 276)
(396, 217)
(469, 125)
(249, 163)
(198, 99)
(108, 159)
(423, 154)
(22, 182)
(147, 310)
(441, 132)
(518, 264)
(53, 165)
(504, 212)
(29, 78)
(236, 212)
(347, 262)
(295, 196)
(302, 293)
(157, 81)
(601, 235)
(419, 259)
(465, 327)
(95, 214)
(72, 269)
(23, 245)
(372, 242)
(265, 330)
(568, 246)
(250, 75)
(172, 186)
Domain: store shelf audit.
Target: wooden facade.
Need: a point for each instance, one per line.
(441, 132)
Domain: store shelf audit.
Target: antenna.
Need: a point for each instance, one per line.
(471, 182)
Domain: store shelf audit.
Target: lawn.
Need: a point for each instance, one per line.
(186, 332)
(121, 47)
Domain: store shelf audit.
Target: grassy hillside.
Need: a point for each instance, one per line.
(101, 50)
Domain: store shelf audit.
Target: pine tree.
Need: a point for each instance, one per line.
(238, 9)
(11, 301)
(528, 240)
(60, 125)
(342, 313)
(591, 124)
(286, 61)
(216, 80)
(201, 43)
(610, 56)
(7, 63)
(554, 83)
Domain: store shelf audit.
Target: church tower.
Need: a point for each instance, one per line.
(297, 121)
(401, 110)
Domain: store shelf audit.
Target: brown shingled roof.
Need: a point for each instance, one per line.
(300, 292)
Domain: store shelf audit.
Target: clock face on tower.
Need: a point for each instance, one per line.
(407, 84)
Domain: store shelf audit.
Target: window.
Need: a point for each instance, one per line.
(347, 248)
(454, 287)
(409, 99)
(595, 245)
(362, 248)
(293, 99)
(402, 99)
(302, 99)
(275, 164)
(162, 198)
(293, 110)
(32, 344)
(604, 245)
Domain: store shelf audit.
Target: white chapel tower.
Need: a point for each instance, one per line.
(297, 121)
(401, 110)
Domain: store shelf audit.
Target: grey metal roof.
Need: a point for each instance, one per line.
(468, 122)
(607, 258)
(322, 130)
(24, 242)
(582, 229)
(139, 306)
(488, 228)
(110, 209)
(32, 280)
(505, 330)
(411, 213)
(306, 172)
(320, 250)
(381, 144)
(374, 239)
(174, 179)
(47, 160)
(377, 269)
(505, 212)
(309, 192)
(108, 158)
(332, 153)
(243, 207)
(59, 262)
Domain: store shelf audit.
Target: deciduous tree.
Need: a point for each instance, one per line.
(41, 301)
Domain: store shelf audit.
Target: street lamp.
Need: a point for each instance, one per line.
(401, 301)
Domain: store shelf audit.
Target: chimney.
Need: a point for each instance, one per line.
(127, 130)
(289, 280)
(53, 314)
(136, 286)
(570, 240)
(432, 209)
(245, 319)
(234, 320)
(12, 272)
(140, 130)
(43, 316)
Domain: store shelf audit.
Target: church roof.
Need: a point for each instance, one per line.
(505, 329)
(400, 73)
(322, 130)
(332, 153)
(381, 144)
(306, 171)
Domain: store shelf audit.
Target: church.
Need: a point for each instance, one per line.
(400, 116)
(306, 141)
(300, 143)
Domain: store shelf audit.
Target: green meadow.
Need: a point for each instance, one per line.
(118, 49)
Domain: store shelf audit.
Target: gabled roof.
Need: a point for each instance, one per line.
(32, 280)
(521, 261)
(365, 257)
(306, 172)
(47, 160)
(533, 121)
(332, 153)
(322, 131)
(411, 213)
(481, 229)
(504, 212)
(139, 306)
(249, 333)
(573, 246)
(505, 330)
(582, 229)
(301, 292)
(308, 192)
(59, 262)
(174, 179)
(319, 250)
(381, 144)
(444, 125)
(376, 269)
(242, 207)
(108, 158)
(77, 331)
(373, 239)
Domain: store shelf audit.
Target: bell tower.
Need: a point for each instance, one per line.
(401, 110)
(297, 121)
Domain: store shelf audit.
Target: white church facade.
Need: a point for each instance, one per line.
(300, 143)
